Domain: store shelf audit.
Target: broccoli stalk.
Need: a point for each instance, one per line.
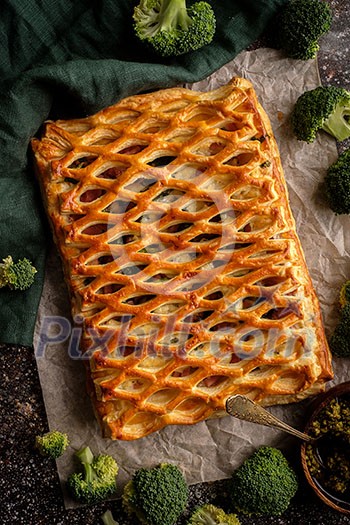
(264, 483)
(157, 496)
(299, 26)
(339, 342)
(99, 479)
(52, 444)
(326, 108)
(17, 276)
(108, 519)
(171, 29)
(337, 184)
(173, 15)
(211, 515)
(338, 122)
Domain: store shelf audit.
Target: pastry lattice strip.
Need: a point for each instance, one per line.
(171, 214)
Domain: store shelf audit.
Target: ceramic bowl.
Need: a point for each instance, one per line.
(321, 401)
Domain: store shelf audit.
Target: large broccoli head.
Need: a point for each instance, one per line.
(326, 108)
(157, 496)
(264, 484)
(337, 184)
(171, 29)
(300, 24)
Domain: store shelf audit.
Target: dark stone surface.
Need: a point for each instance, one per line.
(334, 57)
(30, 492)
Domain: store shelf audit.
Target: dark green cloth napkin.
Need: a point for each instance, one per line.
(64, 59)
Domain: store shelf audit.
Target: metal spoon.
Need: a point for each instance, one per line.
(244, 408)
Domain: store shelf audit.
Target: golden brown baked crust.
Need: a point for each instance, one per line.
(171, 215)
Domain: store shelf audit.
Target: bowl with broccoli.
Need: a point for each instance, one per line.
(328, 473)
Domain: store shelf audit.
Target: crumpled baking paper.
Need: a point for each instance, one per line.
(211, 450)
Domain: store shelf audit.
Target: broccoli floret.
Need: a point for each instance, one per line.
(108, 519)
(129, 500)
(99, 479)
(344, 295)
(339, 342)
(173, 29)
(17, 276)
(326, 108)
(210, 515)
(300, 24)
(52, 444)
(157, 496)
(264, 484)
(337, 184)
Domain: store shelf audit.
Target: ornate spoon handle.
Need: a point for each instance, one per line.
(244, 408)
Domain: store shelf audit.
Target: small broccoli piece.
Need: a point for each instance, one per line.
(108, 519)
(339, 342)
(173, 29)
(52, 444)
(17, 276)
(326, 108)
(344, 295)
(337, 184)
(210, 515)
(157, 496)
(129, 500)
(264, 484)
(300, 24)
(99, 479)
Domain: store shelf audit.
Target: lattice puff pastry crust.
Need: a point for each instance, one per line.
(171, 216)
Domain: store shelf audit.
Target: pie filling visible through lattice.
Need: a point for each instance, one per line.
(170, 212)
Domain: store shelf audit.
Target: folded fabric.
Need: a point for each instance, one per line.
(67, 59)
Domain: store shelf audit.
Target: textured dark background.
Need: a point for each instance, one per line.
(30, 492)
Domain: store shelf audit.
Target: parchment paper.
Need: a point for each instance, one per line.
(211, 450)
